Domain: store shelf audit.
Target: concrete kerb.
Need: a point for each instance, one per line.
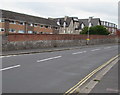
(88, 86)
(51, 50)
(33, 52)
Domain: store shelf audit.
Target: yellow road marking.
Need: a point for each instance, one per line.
(71, 90)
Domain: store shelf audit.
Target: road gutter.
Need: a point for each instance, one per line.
(90, 85)
(77, 88)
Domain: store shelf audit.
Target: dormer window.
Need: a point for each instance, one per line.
(46, 26)
(64, 24)
(58, 22)
(41, 26)
(30, 24)
(90, 24)
(98, 23)
(82, 26)
(35, 25)
(21, 23)
(12, 22)
(2, 29)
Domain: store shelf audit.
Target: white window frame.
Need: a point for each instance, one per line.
(82, 25)
(36, 25)
(1, 29)
(90, 24)
(30, 24)
(21, 31)
(30, 32)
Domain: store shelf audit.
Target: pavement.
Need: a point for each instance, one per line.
(30, 51)
(109, 83)
(52, 72)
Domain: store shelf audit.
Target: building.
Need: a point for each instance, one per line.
(112, 28)
(68, 25)
(84, 23)
(12, 22)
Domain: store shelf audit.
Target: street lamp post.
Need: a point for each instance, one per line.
(88, 34)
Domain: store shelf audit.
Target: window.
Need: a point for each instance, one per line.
(82, 26)
(21, 31)
(38, 32)
(110, 25)
(90, 24)
(41, 32)
(76, 26)
(41, 25)
(12, 30)
(34, 32)
(2, 29)
(30, 32)
(102, 23)
(2, 20)
(46, 26)
(35, 25)
(56, 28)
(30, 24)
(12, 22)
(113, 25)
(21, 23)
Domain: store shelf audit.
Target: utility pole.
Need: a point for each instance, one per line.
(88, 34)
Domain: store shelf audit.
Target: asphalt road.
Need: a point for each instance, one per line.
(52, 72)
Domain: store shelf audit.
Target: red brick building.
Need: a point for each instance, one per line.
(12, 22)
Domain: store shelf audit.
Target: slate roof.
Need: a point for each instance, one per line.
(94, 21)
(68, 20)
(26, 18)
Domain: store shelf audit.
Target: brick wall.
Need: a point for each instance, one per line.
(37, 37)
(118, 32)
(30, 41)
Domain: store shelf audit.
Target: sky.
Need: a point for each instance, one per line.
(106, 10)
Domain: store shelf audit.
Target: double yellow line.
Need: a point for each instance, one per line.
(74, 88)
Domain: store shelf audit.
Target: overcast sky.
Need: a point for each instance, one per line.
(105, 9)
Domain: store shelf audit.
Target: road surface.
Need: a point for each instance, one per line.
(52, 72)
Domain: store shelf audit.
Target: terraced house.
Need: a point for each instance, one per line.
(12, 22)
(68, 25)
(84, 22)
(112, 28)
